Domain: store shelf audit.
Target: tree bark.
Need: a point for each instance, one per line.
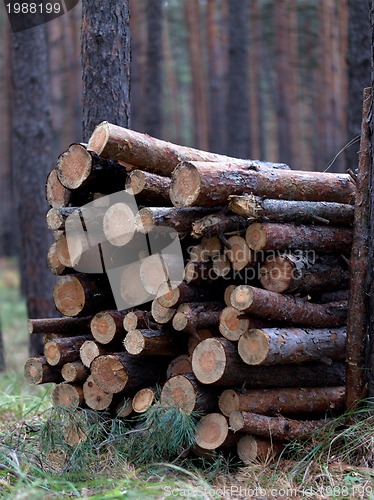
(180, 219)
(71, 326)
(138, 320)
(170, 295)
(294, 401)
(197, 315)
(150, 189)
(217, 224)
(106, 64)
(216, 361)
(153, 155)
(192, 184)
(153, 343)
(272, 236)
(38, 371)
(278, 428)
(299, 212)
(291, 345)
(233, 323)
(31, 106)
(63, 350)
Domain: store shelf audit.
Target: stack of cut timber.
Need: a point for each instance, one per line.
(253, 338)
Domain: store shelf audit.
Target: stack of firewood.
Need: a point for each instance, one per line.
(254, 336)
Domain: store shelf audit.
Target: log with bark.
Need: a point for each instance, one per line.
(289, 309)
(251, 449)
(78, 167)
(217, 224)
(149, 189)
(197, 315)
(238, 253)
(89, 351)
(303, 273)
(74, 372)
(192, 183)
(143, 399)
(107, 327)
(172, 294)
(233, 323)
(63, 350)
(280, 237)
(153, 343)
(286, 401)
(53, 262)
(139, 320)
(180, 365)
(94, 397)
(278, 428)
(212, 432)
(154, 155)
(216, 361)
(39, 371)
(161, 314)
(299, 212)
(64, 326)
(291, 345)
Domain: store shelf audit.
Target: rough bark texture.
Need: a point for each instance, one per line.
(31, 132)
(138, 320)
(63, 350)
(71, 326)
(299, 212)
(192, 183)
(357, 323)
(197, 315)
(285, 401)
(216, 224)
(180, 219)
(106, 64)
(278, 428)
(154, 155)
(291, 345)
(293, 310)
(74, 372)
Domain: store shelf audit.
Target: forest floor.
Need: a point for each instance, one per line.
(35, 462)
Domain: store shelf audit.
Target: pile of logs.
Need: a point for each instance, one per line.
(253, 338)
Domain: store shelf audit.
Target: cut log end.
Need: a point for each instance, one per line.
(209, 361)
(69, 296)
(256, 236)
(124, 409)
(236, 421)
(37, 371)
(212, 431)
(241, 297)
(103, 327)
(109, 373)
(52, 353)
(228, 402)
(99, 138)
(231, 326)
(136, 181)
(179, 391)
(95, 397)
(89, 351)
(251, 449)
(277, 274)
(74, 372)
(57, 195)
(145, 220)
(180, 321)
(254, 346)
(168, 294)
(134, 342)
(68, 396)
(119, 224)
(74, 166)
(143, 399)
(185, 185)
(162, 314)
(239, 253)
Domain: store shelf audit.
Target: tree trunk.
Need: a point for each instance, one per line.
(216, 361)
(299, 212)
(192, 184)
(278, 428)
(358, 72)
(31, 103)
(106, 64)
(291, 345)
(238, 136)
(285, 401)
(292, 310)
(153, 83)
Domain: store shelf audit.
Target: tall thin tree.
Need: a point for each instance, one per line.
(31, 160)
(106, 63)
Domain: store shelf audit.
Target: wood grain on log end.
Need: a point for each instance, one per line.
(211, 431)
(143, 399)
(89, 351)
(74, 372)
(119, 224)
(231, 324)
(179, 391)
(209, 361)
(185, 185)
(74, 166)
(95, 397)
(99, 138)
(68, 395)
(109, 373)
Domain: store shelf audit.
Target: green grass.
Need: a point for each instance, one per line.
(118, 461)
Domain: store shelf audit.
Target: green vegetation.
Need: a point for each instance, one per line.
(113, 460)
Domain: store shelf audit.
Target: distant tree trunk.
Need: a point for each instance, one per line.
(217, 116)
(358, 71)
(106, 64)
(138, 63)
(198, 75)
(31, 160)
(2, 351)
(237, 99)
(153, 86)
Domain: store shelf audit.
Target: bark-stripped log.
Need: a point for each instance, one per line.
(216, 224)
(68, 395)
(272, 236)
(285, 401)
(96, 398)
(274, 306)
(149, 188)
(65, 326)
(63, 350)
(185, 392)
(77, 168)
(251, 449)
(74, 372)
(143, 399)
(154, 155)
(278, 428)
(216, 361)
(107, 326)
(212, 432)
(80, 295)
(302, 274)
(115, 372)
(179, 366)
(192, 183)
(38, 371)
(299, 212)
(291, 345)
(89, 351)
(197, 315)
(180, 219)
(153, 343)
